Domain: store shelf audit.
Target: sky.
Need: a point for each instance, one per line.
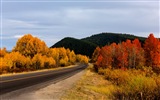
(52, 20)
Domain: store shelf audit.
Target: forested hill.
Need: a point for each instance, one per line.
(107, 38)
(79, 46)
(87, 45)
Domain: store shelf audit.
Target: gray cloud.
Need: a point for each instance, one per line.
(52, 21)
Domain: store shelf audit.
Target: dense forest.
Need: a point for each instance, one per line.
(31, 53)
(107, 38)
(78, 46)
(132, 67)
(86, 46)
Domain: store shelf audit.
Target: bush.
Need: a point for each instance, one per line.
(64, 62)
(117, 76)
(15, 62)
(49, 62)
(157, 90)
(41, 62)
(140, 87)
(38, 61)
(133, 84)
(3, 66)
(82, 59)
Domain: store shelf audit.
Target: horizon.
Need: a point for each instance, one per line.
(75, 38)
(51, 21)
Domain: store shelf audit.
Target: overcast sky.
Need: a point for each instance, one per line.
(53, 20)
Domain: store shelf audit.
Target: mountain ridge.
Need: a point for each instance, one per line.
(87, 45)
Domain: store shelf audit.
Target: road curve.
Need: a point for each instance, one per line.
(15, 82)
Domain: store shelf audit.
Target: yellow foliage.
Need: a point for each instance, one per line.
(3, 65)
(72, 57)
(3, 52)
(29, 46)
(30, 53)
(62, 52)
(14, 61)
(41, 62)
(62, 56)
(133, 84)
(82, 59)
(64, 61)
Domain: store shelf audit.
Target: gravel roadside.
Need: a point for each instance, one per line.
(50, 92)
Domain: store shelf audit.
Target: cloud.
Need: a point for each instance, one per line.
(15, 23)
(6, 37)
(18, 36)
(53, 21)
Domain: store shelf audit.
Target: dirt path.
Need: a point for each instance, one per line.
(50, 92)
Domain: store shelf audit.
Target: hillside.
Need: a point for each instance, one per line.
(79, 46)
(87, 45)
(108, 38)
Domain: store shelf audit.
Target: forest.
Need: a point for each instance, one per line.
(86, 46)
(31, 53)
(132, 67)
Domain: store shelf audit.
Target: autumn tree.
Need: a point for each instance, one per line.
(113, 47)
(95, 54)
(30, 53)
(138, 59)
(40, 61)
(3, 52)
(99, 63)
(82, 59)
(152, 52)
(54, 53)
(16, 62)
(29, 46)
(107, 56)
(122, 55)
(63, 58)
(3, 66)
(71, 56)
(128, 54)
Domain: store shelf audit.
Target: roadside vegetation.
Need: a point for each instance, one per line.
(125, 71)
(31, 53)
(91, 86)
(134, 70)
(116, 84)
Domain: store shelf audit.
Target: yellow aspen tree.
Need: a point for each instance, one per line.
(29, 46)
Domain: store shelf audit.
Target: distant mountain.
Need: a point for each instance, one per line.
(86, 46)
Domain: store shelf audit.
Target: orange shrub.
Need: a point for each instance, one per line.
(16, 62)
(82, 59)
(3, 52)
(41, 62)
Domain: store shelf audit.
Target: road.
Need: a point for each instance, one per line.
(15, 82)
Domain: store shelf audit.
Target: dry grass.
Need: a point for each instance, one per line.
(91, 87)
(116, 84)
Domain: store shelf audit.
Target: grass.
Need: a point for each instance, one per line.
(116, 84)
(90, 87)
(133, 84)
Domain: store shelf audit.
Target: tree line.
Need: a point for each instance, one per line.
(131, 67)
(129, 55)
(31, 53)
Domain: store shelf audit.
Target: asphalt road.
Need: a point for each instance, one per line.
(19, 81)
